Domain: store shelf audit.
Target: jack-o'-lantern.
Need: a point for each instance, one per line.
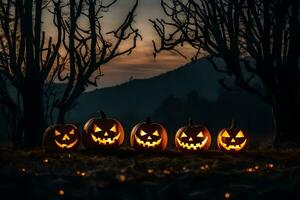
(193, 138)
(61, 137)
(149, 136)
(102, 133)
(232, 139)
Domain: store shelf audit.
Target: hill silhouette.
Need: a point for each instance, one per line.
(191, 91)
(144, 95)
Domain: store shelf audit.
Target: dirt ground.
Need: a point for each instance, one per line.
(128, 174)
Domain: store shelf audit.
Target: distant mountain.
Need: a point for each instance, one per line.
(143, 96)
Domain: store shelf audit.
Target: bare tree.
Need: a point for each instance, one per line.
(26, 58)
(88, 49)
(265, 30)
(33, 62)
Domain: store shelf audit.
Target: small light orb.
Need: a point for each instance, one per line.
(250, 170)
(122, 178)
(227, 195)
(61, 192)
(167, 172)
(271, 165)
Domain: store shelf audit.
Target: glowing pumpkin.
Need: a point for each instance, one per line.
(102, 133)
(232, 139)
(149, 136)
(193, 138)
(61, 137)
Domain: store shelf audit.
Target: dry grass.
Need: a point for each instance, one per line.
(127, 174)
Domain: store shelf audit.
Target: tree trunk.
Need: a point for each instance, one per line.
(61, 116)
(33, 109)
(286, 111)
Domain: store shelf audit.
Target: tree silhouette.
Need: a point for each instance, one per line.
(261, 37)
(90, 48)
(33, 62)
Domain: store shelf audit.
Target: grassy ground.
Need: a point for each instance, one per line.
(127, 174)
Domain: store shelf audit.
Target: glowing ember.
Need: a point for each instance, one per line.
(122, 178)
(269, 165)
(61, 192)
(45, 161)
(167, 172)
(150, 171)
(227, 195)
(250, 170)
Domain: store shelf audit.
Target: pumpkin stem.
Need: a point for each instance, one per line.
(148, 120)
(233, 123)
(103, 115)
(191, 122)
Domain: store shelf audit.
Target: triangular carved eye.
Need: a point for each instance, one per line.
(200, 134)
(72, 132)
(240, 135)
(57, 133)
(113, 129)
(97, 129)
(183, 135)
(225, 134)
(143, 133)
(156, 133)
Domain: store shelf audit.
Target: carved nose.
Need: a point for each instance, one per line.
(66, 137)
(149, 138)
(190, 139)
(233, 140)
(105, 134)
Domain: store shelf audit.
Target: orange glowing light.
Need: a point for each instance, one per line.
(122, 178)
(270, 165)
(250, 170)
(167, 172)
(61, 192)
(227, 195)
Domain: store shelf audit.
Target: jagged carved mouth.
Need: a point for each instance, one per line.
(150, 144)
(229, 147)
(192, 146)
(106, 141)
(66, 146)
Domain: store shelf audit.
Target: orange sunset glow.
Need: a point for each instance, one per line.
(141, 63)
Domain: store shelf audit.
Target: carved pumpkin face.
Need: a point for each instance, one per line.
(64, 137)
(149, 136)
(232, 140)
(193, 138)
(102, 133)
